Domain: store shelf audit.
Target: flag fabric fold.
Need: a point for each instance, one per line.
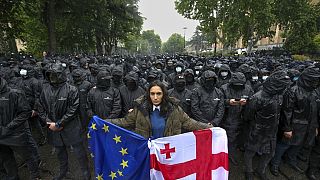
(122, 154)
(117, 153)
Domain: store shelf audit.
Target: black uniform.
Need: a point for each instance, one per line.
(130, 92)
(103, 100)
(207, 102)
(59, 105)
(263, 113)
(14, 135)
(299, 117)
(233, 121)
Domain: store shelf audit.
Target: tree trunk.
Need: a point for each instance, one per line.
(99, 43)
(51, 27)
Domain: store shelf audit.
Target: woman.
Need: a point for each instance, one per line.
(157, 115)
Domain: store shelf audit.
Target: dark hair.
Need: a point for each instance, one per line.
(165, 103)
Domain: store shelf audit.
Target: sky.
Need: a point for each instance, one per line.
(164, 19)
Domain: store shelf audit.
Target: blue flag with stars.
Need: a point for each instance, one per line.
(117, 153)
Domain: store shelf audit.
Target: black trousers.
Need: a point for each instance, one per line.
(262, 163)
(80, 153)
(314, 159)
(9, 164)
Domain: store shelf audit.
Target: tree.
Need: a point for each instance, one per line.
(301, 26)
(175, 44)
(250, 20)
(65, 26)
(153, 40)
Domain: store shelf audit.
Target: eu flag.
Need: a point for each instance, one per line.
(117, 152)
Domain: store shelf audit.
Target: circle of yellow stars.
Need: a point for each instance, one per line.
(123, 152)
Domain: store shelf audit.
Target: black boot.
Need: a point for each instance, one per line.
(262, 176)
(61, 176)
(311, 174)
(249, 175)
(274, 170)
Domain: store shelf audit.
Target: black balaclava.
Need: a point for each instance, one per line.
(131, 81)
(179, 83)
(188, 74)
(310, 78)
(104, 80)
(57, 74)
(238, 80)
(117, 74)
(208, 80)
(78, 76)
(276, 83)
(94, 69)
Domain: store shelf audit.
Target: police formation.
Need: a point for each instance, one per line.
(268, 105)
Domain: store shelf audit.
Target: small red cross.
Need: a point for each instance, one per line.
(167, 150)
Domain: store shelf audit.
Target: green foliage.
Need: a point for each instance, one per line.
(146, 43)
(301, 26)
(316, 41)
(71, 25)
(251, 20)
(300, 57)
(175, 44)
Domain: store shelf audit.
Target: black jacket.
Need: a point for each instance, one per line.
(83, 90)
(300, 109)
(105, 104)
(128, 97)
(207, 106)
(14, 113)
(184, 98)
(60, 104)
(233, 115)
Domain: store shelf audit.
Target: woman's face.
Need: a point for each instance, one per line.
(156, 95)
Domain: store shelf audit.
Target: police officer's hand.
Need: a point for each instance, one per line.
(288, 134)
(233, 102)
(243, 102)
(34, 113)
(53, 127)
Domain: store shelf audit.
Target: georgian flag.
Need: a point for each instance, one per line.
(198, 155)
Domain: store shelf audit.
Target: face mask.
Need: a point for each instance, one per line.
(53, 78)
(116, 79)
(295, 78)
(77, 78)
(180, 86)
(131, 85)
(224, 74)
(209, 84)
(23, 72)
(197, 72)
(264, 77)
(200, 67)
(189, 78)
(255, 78)
(103, 82)
(178, 69)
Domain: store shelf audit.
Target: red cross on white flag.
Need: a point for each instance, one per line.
(198, 155)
